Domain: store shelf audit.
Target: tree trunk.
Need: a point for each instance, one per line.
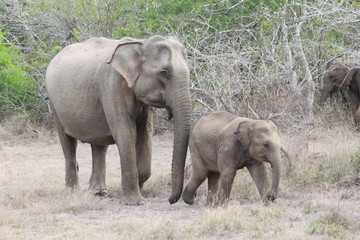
(290, 74)
(308, 90)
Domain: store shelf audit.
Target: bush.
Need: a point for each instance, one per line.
(355, 163)
(18, 89)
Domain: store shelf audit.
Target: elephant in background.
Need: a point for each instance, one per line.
(101, 92)
(221, 143)
(344, 73)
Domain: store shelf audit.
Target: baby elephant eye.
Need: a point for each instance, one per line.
(266, 145)
(165, 74)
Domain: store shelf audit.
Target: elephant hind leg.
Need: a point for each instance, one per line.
(213, 186)
(199, 174)
(68, 145)
(98, 175)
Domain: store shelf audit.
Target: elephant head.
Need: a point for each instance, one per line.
(157, 72)
(339, 75)
(262, 140)
(336, 79)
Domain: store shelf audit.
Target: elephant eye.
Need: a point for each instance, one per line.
(165, 74)
(266, 145)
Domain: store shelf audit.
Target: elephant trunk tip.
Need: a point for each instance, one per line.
(175, 196)
(169, 112)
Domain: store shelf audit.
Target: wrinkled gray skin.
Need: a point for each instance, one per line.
(102, 91)
(221, 143)
(342, 77)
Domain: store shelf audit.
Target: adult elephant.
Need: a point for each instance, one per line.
(343, 73)
(101, 92)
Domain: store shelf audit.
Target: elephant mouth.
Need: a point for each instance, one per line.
(169, 112)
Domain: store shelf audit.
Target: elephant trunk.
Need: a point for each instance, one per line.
(276, 171)
(327, 88)
(324, 95)
(181, 107)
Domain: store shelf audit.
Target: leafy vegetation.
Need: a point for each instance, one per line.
(241, 52)
(15, 81)
(257, 58)
(333, 225)
(355, 163)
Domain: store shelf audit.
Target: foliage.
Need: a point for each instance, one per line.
(333, 224)
(240, 52)
(355, 163)
(15, 80)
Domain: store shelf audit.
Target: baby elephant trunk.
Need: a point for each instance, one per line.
(276, 170)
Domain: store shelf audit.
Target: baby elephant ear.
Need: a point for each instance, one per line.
(126, 59)
(243, 133)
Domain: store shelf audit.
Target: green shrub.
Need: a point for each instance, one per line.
(334, 224)
(21, 91)
(15, 82)
(355, 163)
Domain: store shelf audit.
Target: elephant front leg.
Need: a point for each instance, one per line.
(227, 176)
(144, 127)
(129, 173)
(97, 180)
(261, 178)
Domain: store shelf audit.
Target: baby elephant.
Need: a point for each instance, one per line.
(221, 143)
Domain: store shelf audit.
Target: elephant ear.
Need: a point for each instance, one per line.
(352, 73)
(243, 133)
(126, 59)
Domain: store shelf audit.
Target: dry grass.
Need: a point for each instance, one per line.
(317, 200)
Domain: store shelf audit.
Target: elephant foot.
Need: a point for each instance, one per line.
(188, 201)
(188, 198)
(71, 189)
(210, 202)
(266, 203)
(271, 196)
(220, 199)
(101, 192)
(133, 201)
(72, 183)
(98, 188)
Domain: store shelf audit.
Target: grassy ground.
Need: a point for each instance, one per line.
(318, 199)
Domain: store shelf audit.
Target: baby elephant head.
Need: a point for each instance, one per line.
(261, 138)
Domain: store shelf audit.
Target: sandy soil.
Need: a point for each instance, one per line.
(33, 204)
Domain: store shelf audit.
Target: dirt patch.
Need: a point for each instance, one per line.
(33, 204)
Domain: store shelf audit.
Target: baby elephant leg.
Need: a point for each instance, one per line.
(226, 180)
(199, 174)
(213, 186)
